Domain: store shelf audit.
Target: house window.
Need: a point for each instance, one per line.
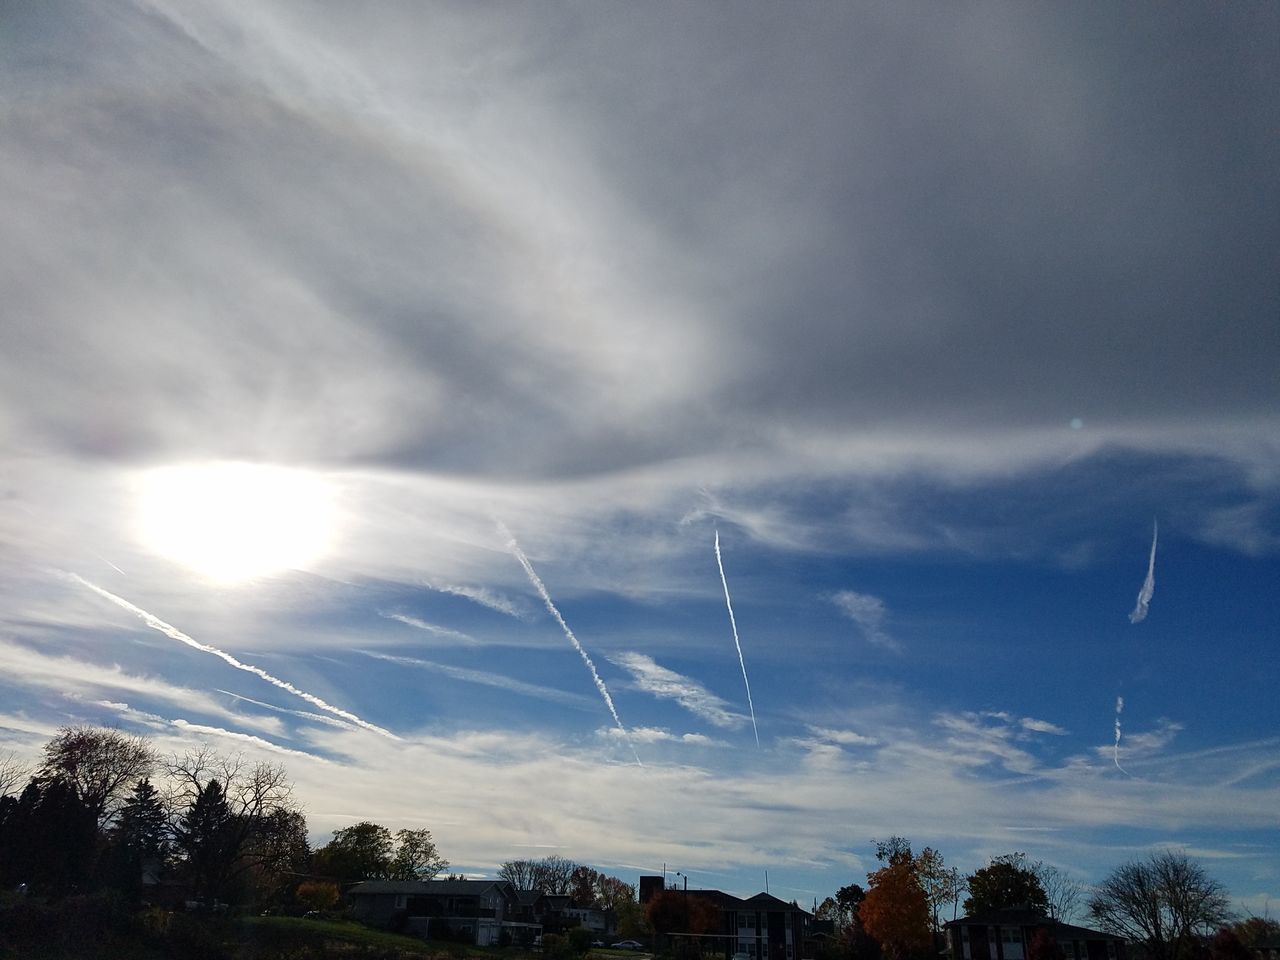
(1012, 935)
(400, 900)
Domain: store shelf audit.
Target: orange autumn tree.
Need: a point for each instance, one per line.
(895, 910)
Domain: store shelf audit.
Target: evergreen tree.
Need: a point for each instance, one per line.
(139, 840)
(202, 835)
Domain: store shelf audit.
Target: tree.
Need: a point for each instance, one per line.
(139, 838)
(1256, 931)
(553, 874)
(275, 854)
(672, 911)
(894, 850)
(203, 834)
(257, 801)
(318, 894)
(48, 838)
(13, 773)
(941, 886)
(842, 909)
(99, 765)
(632, 922)
(518, 873)
(1006, 882)
(1060, 891)
(1165, 902)
(361, 851)
(613, 893)
(895, 910)
(582, 886)
(416, 857)
(1226, 945)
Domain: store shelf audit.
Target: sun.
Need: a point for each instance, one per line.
(232, 522)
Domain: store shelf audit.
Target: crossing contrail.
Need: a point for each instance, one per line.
(551, 607)
(1148, 585)
(734, 624)
(173, 633)
(1115, 751)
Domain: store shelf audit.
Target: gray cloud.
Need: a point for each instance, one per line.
(293, 245)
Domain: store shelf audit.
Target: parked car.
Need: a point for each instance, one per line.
(628, 945)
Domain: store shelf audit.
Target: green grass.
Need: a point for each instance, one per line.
(281, 929)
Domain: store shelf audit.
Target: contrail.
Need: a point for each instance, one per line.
(173, 633)
(546, 599)
(1148, 585)
(734, 624)
(1115, 752)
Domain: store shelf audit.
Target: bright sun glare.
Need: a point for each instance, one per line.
(232, 522)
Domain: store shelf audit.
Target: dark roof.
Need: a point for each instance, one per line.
(446, 888)
(1030, 917)
(389, 886)
(766, 901)
(761, 901)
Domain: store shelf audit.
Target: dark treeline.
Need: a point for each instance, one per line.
(102, 815)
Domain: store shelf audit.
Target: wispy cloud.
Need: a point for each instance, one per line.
(1148, 588)
(445, 633)
(1042, 726)
(485, 597)
(667, 684)
(487, 679)
(846, 738)
(662, 735)
(869, 613)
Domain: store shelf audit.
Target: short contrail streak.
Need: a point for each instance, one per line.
(1149, 585)
(551, 607)
(1115, 751)
(173, 633)
(734, 624)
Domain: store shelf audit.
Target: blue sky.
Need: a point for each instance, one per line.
(930, 313)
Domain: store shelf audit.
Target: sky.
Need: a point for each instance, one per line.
(378, 380)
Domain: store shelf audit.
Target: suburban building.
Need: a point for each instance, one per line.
(483, 912)
(762, 927)
(1006, 934)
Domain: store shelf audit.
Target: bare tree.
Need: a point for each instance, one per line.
(100, 765)
(1166, 902)
(257, 800)
(1062, 892)
(13, 773)
(554, 874)
(519, 873)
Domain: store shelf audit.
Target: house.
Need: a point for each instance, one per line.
(547, 910)
(762, 927)
(601, 923)
(1006, 935)
(482, 912)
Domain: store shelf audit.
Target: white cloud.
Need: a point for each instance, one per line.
(869, 613)
(1041, 726)
(488, 679)
(846, 738)
(486, 597)
(661, 682)
(435, 630)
